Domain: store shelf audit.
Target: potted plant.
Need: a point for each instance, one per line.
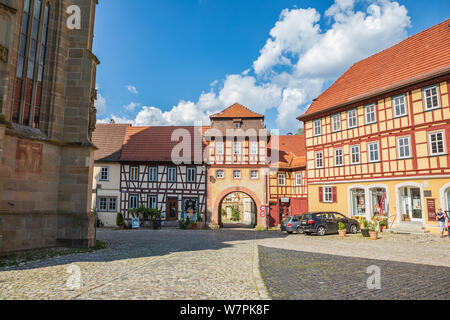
(342, 230)
(200, 223)
(182, 224)
(383, 223)
(365, 228)
(373, 232)
(119, 221)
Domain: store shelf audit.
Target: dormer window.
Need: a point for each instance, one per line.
(237, 125)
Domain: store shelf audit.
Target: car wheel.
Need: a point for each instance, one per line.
(353, 229)
(300, 231)
(308, 233)
(321, 231)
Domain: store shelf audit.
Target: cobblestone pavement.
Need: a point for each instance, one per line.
(296, 275)
(190, 264)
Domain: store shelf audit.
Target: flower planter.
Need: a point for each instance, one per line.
(365, 233)
(200, 225)
(342, 233)
(373, 235)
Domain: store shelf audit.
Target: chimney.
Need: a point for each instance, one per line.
(112, 121)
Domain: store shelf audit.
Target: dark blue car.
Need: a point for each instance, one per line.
(322, 223)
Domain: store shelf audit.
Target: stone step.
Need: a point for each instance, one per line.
(169, 224)
(408, 228)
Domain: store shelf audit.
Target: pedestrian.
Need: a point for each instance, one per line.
(440, 217)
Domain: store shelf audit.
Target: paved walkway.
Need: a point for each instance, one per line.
(188, 264)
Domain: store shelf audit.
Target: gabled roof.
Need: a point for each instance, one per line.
(420, 56)
(291, 151)
(236, 111)
(154, 143)
(108, 138)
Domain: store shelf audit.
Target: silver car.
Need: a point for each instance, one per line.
(291, 224)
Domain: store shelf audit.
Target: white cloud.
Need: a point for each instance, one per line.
(132, 89)
(131, 106)
(295, 62)
(100, 104)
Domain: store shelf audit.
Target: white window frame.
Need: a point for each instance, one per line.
(219, 148)
(321, 159)
(237, 177)
(317, 128)
(253, 148)
(191, 175)
(394, 106)
(328, 190)
(298, 179)
(355, 111)
(369, 146)
(370, 109)
(132, 168)
(254, 177)
(102, 172)
(282, 179)
(352, 153)
(424, 92)
(237, 151)
(103, 201)
(110, 201)
(334, 122)
(430, 143)
(152, 174)
(171, 171)
(152, 200)
(220, 176)
(408, 138)
(133, 196)
(341, 156)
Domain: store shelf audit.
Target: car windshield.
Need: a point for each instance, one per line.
(287, 219)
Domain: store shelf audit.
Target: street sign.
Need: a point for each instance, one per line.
(263, 211)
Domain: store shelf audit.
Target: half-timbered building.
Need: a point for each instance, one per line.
(378, 139)
(288, 189)
(154, 175)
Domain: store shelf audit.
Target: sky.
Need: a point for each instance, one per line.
(175, 62)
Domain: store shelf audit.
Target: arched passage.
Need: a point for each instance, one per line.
(217, 218)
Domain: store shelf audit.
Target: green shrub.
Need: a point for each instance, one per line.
(341, 226)
(235, 215)
(119, 219)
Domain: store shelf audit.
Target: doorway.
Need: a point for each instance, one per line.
(172, 209)
(237, 209)
(411, 204)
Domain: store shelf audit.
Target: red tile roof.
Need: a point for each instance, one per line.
(237, 111)
(154, 143)
(108, 138)
(418, 57)
(291, 150)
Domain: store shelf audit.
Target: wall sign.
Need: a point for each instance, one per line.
(431, 205)
(427, 193)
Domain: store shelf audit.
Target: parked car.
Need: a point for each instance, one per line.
(323, 223)
(291, 224)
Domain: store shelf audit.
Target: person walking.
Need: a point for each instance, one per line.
(440, 217)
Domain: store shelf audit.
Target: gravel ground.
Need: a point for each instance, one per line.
(195, 264)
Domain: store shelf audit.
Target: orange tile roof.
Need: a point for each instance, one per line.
(154, 143)
(108, 138)
(237, 111)
(418, 57)
(291, 150)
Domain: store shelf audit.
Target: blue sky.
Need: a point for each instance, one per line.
(177, 61)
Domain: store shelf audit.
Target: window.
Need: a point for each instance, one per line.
(152, 202)
(317, 124)
(338, 157)
(399, 104)
(153, 174)
(403, 148)
(112, 205)
(237, 125)
(355, 157)
(103, 204)
(436, 143)
(319, 160)
(370, 113)
(236, 174)
(374, 153)
(431, 96)
(191, 175)
(237, 148)
(104, 174)
(30, 68)
(219, 148)
(352, 120)
(134, 173)
(298, 179)
(282, 179)
(336, 122)
(133, 201)
(220, 174)
(328, 194)
(254, 174)
(358, 202)
(172, 174)
(253, 148)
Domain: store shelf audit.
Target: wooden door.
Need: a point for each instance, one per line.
(172, 209)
